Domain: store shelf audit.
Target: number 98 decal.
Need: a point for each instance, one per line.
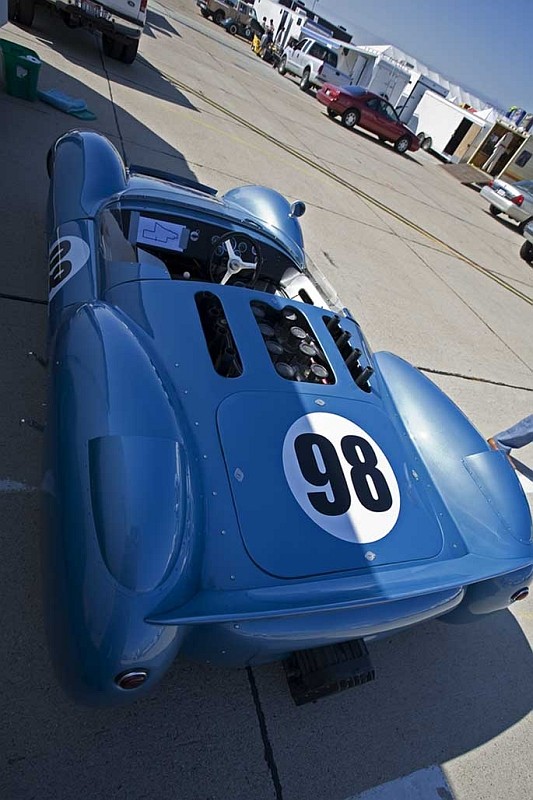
(341, 478)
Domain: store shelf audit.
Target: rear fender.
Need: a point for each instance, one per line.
(86, 169)
(125, 513)
(478, 486)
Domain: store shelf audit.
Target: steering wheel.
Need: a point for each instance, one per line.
(235, 258)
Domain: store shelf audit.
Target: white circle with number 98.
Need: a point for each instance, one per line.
(341, 478)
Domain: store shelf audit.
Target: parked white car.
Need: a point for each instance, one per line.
(121, 22)
(513, 199)
(526, 251)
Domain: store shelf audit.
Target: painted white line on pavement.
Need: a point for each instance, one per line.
(425, 784)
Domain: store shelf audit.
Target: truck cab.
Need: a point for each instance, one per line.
(313, 62)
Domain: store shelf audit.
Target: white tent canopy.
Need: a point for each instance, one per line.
(455, 93)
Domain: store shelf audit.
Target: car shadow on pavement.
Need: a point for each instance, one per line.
(371, 138)
(441, 691)
(507, 223)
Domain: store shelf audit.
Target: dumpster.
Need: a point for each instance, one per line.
(21, 70)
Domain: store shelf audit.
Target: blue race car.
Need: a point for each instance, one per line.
(231, 474)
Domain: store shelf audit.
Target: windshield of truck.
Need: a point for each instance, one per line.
(325, 55)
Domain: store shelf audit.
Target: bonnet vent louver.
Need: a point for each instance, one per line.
(350, 355)
(218, 336)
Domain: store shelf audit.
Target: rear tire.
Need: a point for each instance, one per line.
(526, 252)
(205, 13)
(351, 118)
(26, 12)
(111, 46)
(305, 83)
(219, 17)
(494, 211)
(129, 51)
(523, 225)
(282, 66)
(401, 145)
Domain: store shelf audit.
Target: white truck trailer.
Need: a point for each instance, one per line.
(451, 129)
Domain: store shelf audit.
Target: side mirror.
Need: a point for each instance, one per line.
(297, 209)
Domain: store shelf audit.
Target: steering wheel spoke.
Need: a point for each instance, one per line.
(226, 262)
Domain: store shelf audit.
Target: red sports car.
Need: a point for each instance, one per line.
(358, 106)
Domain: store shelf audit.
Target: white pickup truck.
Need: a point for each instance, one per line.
(314, 63)
(121, 22)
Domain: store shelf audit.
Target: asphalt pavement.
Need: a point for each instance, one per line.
(430, 275)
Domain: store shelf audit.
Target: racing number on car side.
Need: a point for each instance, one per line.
(341, 478)
(67, 256)
(368, 482)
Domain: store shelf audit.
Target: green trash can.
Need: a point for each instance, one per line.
(21, 70)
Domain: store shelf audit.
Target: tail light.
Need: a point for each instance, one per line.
(143, 5)
(518, 200)
(319, 71)
(491, 184)
(332, 92)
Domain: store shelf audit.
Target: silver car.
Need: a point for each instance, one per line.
(526, 251)
(513, 199)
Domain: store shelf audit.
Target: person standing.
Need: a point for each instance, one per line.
(500, 148)
(518, 435)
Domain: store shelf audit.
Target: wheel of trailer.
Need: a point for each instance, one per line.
(305, 83)
(523, 224)
(111, 46)
(218, 17)
(426, 143)
(526, 252)
(421, 136)
(351, 117)
(233, 29)
(282, 66)
(331, 113)
(494, 210)
(401, 145)
(25, 12)
(129, 51)
(205, 13)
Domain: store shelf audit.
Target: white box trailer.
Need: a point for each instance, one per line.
(413, 93)
(452, 129)
(379, 74)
